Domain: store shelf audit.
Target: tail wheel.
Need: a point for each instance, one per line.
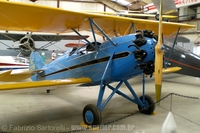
(92, 115)
(149, 105)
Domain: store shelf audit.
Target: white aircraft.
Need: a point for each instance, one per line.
(151, 8)
(13, 63)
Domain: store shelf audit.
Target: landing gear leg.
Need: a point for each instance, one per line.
(147, 106)
(92, 113)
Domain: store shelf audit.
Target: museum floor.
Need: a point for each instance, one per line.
(35, 111)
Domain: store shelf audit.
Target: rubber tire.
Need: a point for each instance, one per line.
(150, 103)
(97, 118)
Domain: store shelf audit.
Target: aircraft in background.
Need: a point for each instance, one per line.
(74, 45)
(13, 63)
(27, 41)
(132, 53)
(151, 8)
(128, 14)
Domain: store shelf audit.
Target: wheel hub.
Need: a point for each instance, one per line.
(89, 116)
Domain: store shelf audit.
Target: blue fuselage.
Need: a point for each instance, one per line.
(92, 64)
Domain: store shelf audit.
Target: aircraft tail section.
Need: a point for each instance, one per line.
(36, 61)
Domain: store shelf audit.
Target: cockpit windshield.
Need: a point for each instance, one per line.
(85, 49)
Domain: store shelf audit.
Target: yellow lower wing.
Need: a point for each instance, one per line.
(171, 69)
(23, 85)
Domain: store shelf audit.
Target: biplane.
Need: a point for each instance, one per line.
(22, 40)
(132, 48)
(134, 15)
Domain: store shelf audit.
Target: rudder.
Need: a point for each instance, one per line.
(36, 61)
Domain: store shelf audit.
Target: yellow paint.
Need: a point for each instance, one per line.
(159, 57)
(154, 113)
(55, 20)
(158, 88)
(44, 83)
(9, 77)
(169, 16)
(84, 126)
(171, 69)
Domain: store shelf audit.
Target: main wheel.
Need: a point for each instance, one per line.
(149, 105)
(92, 115)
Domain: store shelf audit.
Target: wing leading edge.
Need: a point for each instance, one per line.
(44, 83)
(47, 19)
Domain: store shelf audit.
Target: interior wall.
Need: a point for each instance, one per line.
(69, 5)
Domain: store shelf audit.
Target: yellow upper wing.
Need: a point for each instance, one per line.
(26, 17)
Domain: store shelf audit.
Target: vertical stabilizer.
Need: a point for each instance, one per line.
(168, 6)
(36, 61)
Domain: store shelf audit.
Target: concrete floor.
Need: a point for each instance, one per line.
(33, 110)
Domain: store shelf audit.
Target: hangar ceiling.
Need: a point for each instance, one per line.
(134, 5)
(116, 5)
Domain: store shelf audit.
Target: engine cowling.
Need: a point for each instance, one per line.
(25, 43)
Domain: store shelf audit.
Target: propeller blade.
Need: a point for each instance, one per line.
(158, 70)
(20, 44)
(159, 52)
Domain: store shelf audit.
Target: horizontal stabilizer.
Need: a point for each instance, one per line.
(8, 76)
(171, 69)
(44, 83)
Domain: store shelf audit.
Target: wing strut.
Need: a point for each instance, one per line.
(80, 35)
(102, 31)
(173, 46)
(95, 40)
(102, 85)
(132, 28)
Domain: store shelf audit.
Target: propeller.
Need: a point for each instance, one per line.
(26, 41)
(159, 52)
(26, 45)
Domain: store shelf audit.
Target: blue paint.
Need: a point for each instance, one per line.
(119, 69)
(89, 116)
